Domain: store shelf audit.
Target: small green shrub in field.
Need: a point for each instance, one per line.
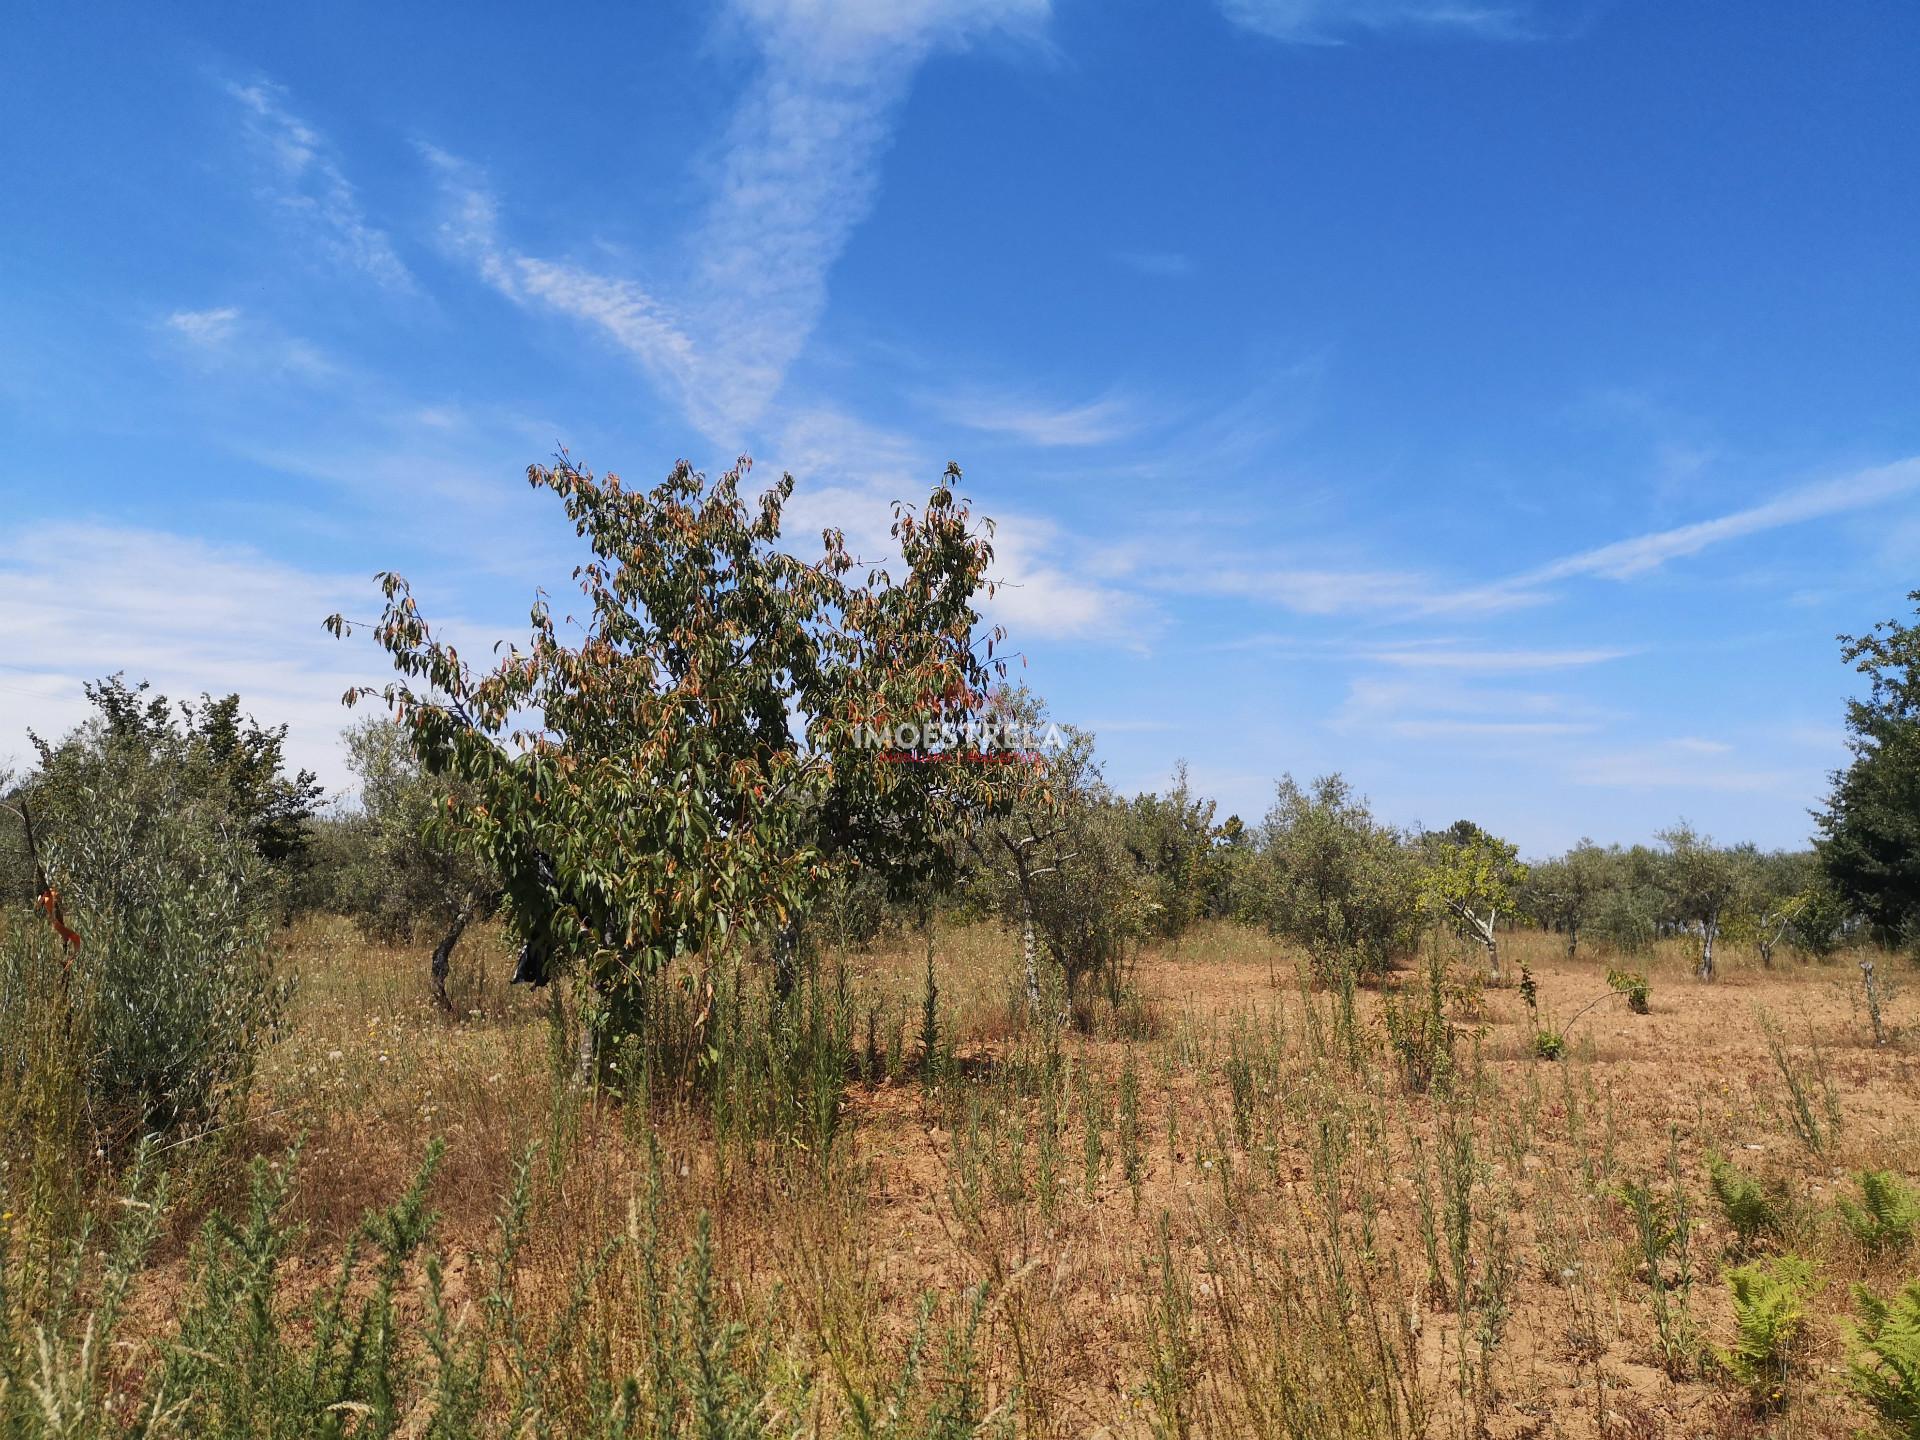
(1548, 1043)
(1751, 1208)
(1769, 1315)
(1888, 1213)
(1633, 985)
(1883, 1364)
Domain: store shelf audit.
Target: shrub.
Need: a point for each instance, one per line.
(238, 1367)
(172, 991)
(1769, 1298)
(1883, 1366)
(1633, 985)
(1888, 1212)
(1663, 1234)
(406, 869)
(1335, 882)
(1548, 1043)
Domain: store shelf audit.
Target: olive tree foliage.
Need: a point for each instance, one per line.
(1471, 878)
(1170, 839)
(1820, 918)
(1775, 891)
(681, 769)
(158, 828)
(1060, 862)
(1702, 882)
(1098, 902)
(1336, 882)
(414, 867)
(223, 755)
(1633, 911)
(1231, 874)
(1870, 829)
(1565, 894)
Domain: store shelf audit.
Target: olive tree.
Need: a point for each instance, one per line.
(1057, 859)
(1170, 838)
(1702, 882)
(1773, 895)
(155, 832)
(686, 775)
(1565, 894)
(1335, 881)
(413, 865)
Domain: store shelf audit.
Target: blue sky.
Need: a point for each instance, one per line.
(1503, 404)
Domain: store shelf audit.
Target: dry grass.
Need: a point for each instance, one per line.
(1222, 1213)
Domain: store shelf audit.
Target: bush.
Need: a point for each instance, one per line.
(1883, 1367)
(172, 992)
(1633, 985)
(410, 864)
(1335, 882)
(1888, 1213)
(1769, 1299)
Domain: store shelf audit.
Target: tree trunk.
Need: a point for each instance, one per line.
(1029, 955)
(583, 1050)
(1493, 953)
(1573, 938)
(786, 950)
(443, 956)
(1706, 946)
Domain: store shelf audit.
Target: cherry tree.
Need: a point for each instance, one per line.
(683, 772)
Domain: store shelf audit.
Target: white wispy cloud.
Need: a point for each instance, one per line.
(192, 614)
(228, 339)
(206, 327)
(1685, 763)
(308, 186)
(1489, 662)
(1414, 593)
(797, 171)
(1323, 22)
(1313, 590)
(1097, 422)
(1444, 707)
(1416, 728)
(80, 601)
(1625, 559)
(850, 473)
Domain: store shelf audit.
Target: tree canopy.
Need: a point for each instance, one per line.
(687, 773)
(1870, 828)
